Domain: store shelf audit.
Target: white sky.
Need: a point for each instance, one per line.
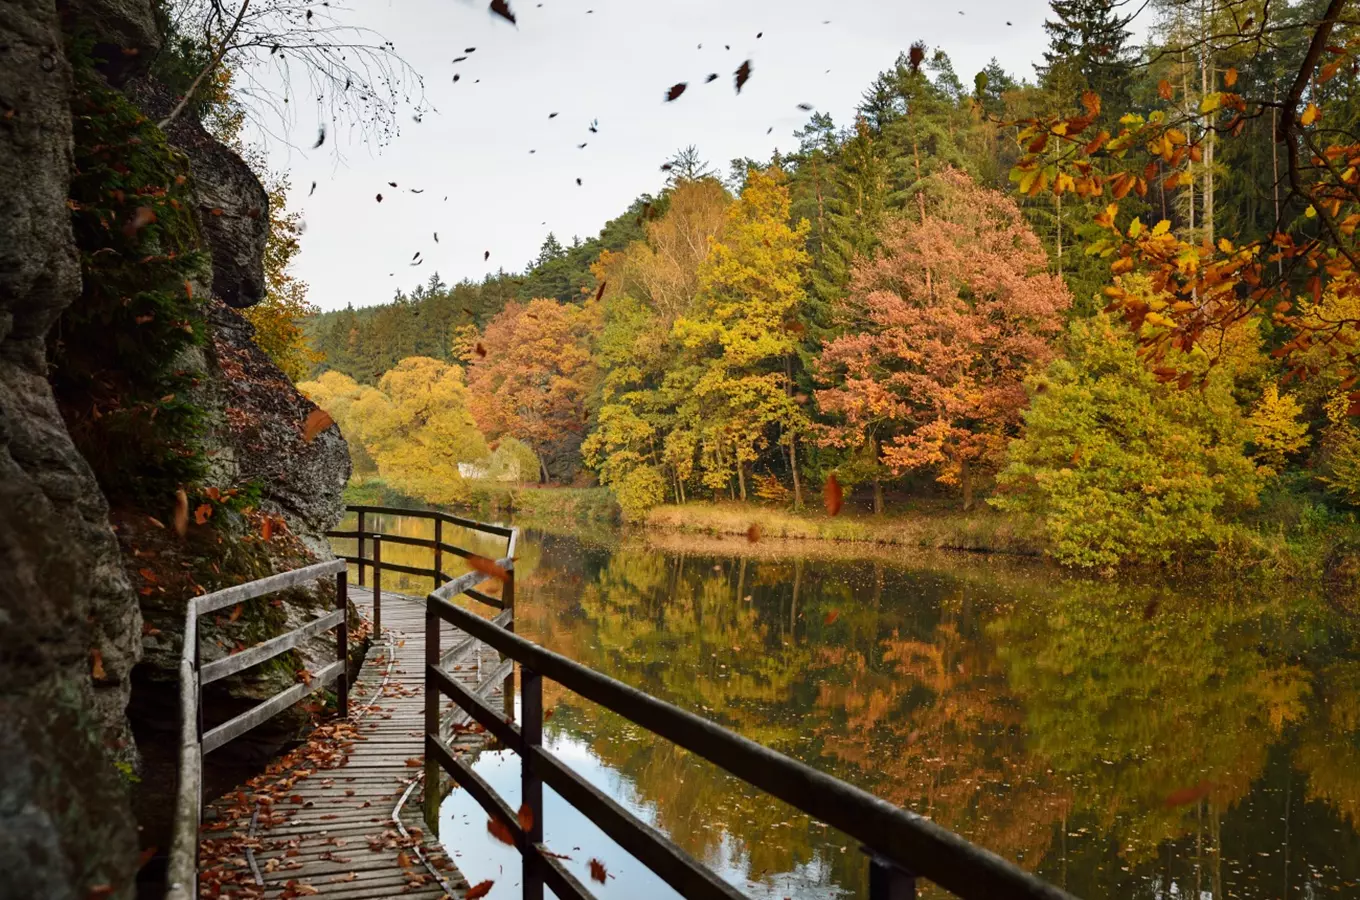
(613, 64)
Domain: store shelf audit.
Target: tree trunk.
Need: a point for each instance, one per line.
(542, 471)
(966, 476)
(878, 496)
(793, 467)
(1206, 76)
(741, 476)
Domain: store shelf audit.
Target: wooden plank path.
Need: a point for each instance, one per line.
(341, 817)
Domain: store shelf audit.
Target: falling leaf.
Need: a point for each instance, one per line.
(598, 871)
(379, 198)
(753, 533)
(318, 420)
(97, 665)
(675, 91)
(1230, 78)
(203, 513)
(600, 292)
(502, 9)
(436, 237)
(743, 75)
(479, 350)
(320, 137)
(235, 613)
(831, 617)
(500, 831)
(478, 890)
(181, 516)
(146, 856)
(578, 182)
(486, 256)
(313, 190)
(712, 77)
(459, 59)
(832, 495)
(487, 567)
(267, 529)
(1310, 114)
(1187, 795)
(805, 107)
(526, 818)
(142, 216)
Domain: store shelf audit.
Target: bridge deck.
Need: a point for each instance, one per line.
(340, 816)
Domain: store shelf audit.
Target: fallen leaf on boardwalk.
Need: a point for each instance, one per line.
(526, 817)
(181, 517)
(404, 860)
(753, 533)
(350, 877)
(598, 871)
(832, 495)
(97, 665)
(1187, 795)
(831, 617)
(318, 420)
(478, 890)
(487, 567)
(203, 513)
(500, 831)
(415, 761)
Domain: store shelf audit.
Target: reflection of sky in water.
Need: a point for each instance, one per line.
(480, 856)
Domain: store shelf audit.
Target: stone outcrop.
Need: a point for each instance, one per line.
(69, 623)
(87, 641)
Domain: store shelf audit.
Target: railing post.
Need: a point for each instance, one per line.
(531, 786)
(342, 641)
(888, 880)
(432, 781)
(508, 687)
(377, 585)
(438, 554)
(361, 548)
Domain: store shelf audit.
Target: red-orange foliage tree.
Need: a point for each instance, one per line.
(945, 322)
(533, 379)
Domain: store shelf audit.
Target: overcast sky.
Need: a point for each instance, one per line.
(605, 60)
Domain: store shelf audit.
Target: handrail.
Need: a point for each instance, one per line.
(182, 871)
(901, 845)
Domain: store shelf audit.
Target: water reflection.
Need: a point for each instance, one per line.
(1123, 741)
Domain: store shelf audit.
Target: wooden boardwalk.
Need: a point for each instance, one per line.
(341, 816)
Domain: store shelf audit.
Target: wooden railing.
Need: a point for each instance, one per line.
(900, 845)
(374, 539)
(182, 875)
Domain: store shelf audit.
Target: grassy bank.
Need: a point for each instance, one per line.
(981, 530)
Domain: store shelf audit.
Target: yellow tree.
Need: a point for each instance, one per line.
(285, 304)
(434, 431)
(734, 383)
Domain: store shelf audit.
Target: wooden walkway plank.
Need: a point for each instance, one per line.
(327, 828)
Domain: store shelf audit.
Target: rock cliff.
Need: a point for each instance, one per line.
(89, 617)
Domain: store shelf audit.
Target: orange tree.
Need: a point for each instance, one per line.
(1204, 285)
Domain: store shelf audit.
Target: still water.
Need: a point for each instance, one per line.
(1145, 740)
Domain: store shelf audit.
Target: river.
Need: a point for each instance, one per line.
(1122, 740)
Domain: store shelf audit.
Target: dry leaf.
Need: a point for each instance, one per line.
(267, 528)
(831, 617)
(203, 513)
(502, 9)
(318, 420)
(1188, 795)
(598, 871)
(235, 613)
(141, 217)
(478, 890)
(181, 517)
(743, 75)
(675, 91)
(526, 818)
(753, 533)
(487, 567)
(832, 495)
(500, 831)
(97, 665)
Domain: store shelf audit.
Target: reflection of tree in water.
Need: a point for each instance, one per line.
(1051, 727)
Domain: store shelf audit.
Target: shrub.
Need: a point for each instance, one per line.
(638, 491)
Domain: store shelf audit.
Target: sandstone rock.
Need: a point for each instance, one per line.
(69, 625)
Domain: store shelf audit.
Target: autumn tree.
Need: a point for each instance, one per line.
(531, 379)
(736, 363)
(278, 317)
(1120, 467)
(955, 310)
